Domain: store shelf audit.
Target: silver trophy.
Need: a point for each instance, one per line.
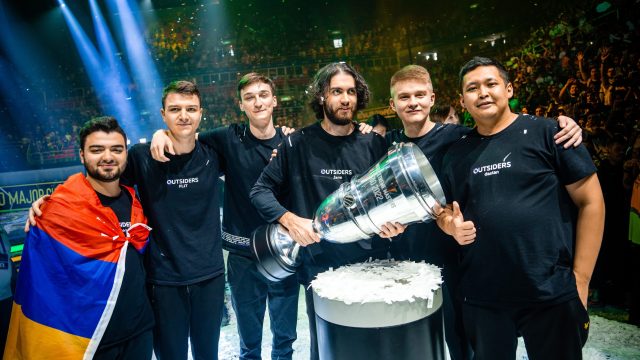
(401, 187)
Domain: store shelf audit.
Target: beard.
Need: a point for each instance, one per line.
(338, 120)
(98, 174)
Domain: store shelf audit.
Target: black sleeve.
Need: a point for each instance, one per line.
(462, 130)
(444, 180)
(571, 164)
(273, 178)
(217, 140)
(392, 135)
(382, 145)
(128, 175)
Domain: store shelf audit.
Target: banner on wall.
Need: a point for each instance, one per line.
(20, 197)
(19, 189)
(385, 111)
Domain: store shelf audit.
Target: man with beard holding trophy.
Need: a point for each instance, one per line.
(310, 165)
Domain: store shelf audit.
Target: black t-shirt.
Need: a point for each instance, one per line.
(243, 156)
(310, 165)
(180, 199)
(512, 186)
(132, 314)
(425, 241)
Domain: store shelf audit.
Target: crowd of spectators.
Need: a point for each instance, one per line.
(558, 70)
(590, 71)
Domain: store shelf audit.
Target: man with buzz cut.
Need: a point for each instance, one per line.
(244, 150)
(310, 165)
(529, 216)
(412, 98)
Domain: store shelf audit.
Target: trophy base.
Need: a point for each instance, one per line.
(269, 260)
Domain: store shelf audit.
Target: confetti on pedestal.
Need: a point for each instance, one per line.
(379, 281)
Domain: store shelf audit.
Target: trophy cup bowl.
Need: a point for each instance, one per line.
(402, 187)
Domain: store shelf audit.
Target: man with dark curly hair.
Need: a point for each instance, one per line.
(311, 164)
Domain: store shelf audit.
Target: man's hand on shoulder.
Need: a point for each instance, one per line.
(365, 128)
(159, 144)
(34, 211)
(286, 131)
(570, 133)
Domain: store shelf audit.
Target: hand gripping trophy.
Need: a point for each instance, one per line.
(401, 187)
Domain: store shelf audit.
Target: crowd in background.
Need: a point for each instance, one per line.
(572, 65)
(592, 75)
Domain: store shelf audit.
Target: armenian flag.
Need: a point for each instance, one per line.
(70, 276)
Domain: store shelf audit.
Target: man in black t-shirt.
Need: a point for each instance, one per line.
(412, 98)
(311, 164)
(185, 263)
(529, 214)
(106, 217)
(244, 150)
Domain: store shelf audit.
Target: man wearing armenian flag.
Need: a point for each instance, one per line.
(81, 290)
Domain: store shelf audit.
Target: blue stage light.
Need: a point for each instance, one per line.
(143, 69)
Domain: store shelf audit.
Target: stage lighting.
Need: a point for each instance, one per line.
(431, 55)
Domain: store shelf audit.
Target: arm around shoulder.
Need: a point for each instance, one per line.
(264, 192)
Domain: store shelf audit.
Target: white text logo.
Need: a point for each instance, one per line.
(182, 183)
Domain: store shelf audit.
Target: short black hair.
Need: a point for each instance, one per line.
(106, 124)
(181, 87)
(377, 119)
(478, 61)
(322, 80)
(439, 113)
